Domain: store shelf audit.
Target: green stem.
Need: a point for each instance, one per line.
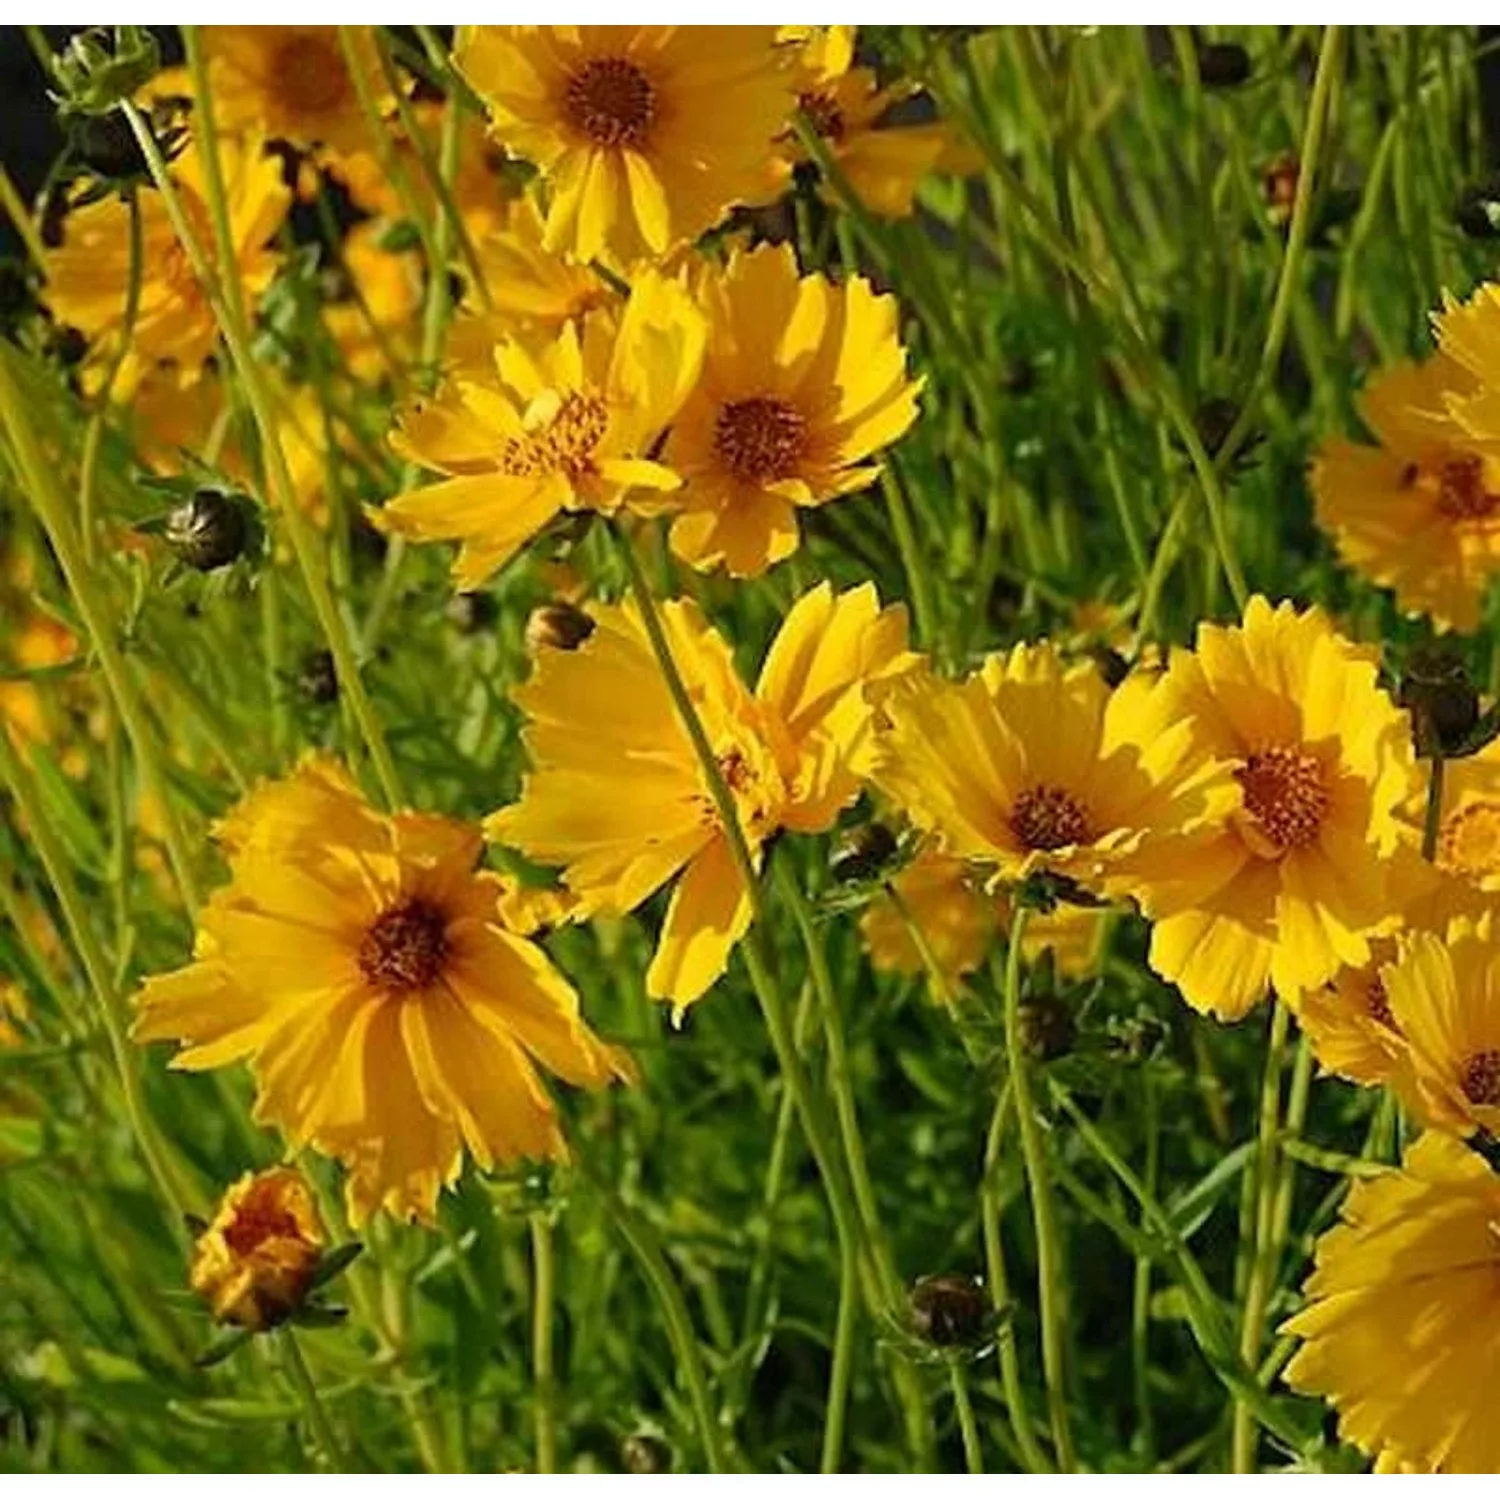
(543, 1298)
(312, 1403)
(1050, 1282)
(841, 1375)
(973, 1453)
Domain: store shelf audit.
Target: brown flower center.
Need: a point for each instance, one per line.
(761, 439)
(564, 444)
(611, 101)
(824, 114)
(1469, 841)
(405, 947)
(1378, 1004)
(1284, 794)
(1479, 1077)
(258, 1219)
(1047, 817)
(1461, 492)
(309, 74)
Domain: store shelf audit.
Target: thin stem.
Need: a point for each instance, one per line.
(312, 1403)
(973, 1453)
(543, 1297)
(1050, 1283)
(841, 1375)
(25, 225)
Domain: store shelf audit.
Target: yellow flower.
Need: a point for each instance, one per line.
(1419, 512)
(291, 83)
(882, 163)
(87, 275)
(1349, 1023)
(616, 793)
(1444, 996)
(646, 136)
(254, 1265)
(803, 382)
(40, 641)
(1033, 765)
(1466, 332)
(372, 324)
(1300, 875)
(564, 425)
(1399, 1330)
(358, 962)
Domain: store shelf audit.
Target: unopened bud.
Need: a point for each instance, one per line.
(559, 626)
(862, 852)
(319, 679)
(97, 70)
(1278, 187)
(643, 1453)
(471, 613)
(1048, 1030)
(108, 147)
(1478, 212)
(210, 530)
(1442, 701)
(1222, 65)
(952, 1312)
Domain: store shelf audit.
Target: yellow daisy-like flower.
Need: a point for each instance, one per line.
(1300, 875)
(646, 136)
(1349, 1022)
(291, 83)
(1032, 765)
(254, 1265)
(1444, 996)
(882, 163)
(617, 796)
(87, 275)
(565, 425)
(1466, 333)
(1399, 1330)
(803, 383)
(359, 963)
(1419, 512)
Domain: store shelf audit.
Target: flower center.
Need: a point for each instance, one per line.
(760, 440)
(824, 114)
(1461, 492)
(1479, 1077)
(258, 1219)
(1378, 1004)
(405, 947)
(309, 75)
(610, 101)
(563, 443)
(1047, 817)
(1284, 794)
(1469, 842)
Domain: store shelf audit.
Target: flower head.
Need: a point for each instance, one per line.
(1418, 512)
(1399, 1328)
(1299, 876)
(360, 965)
(255, 1264)
(617, 795)
(1349, 1023)
(563, 424)
(646, 136)
(803, 383)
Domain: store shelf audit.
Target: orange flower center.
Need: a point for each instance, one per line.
(565, 443)
(1378, 1004)
(1284, 794)
(1047, 817)
(1469, 841)
(824, 114)
(760, 440)
(1479, 1077)
(611, 101)
(405, 947)
(1461, 492)
(309, 74)
(258, 1219)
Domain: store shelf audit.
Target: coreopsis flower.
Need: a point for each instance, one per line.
(548, 427)
(89, 273)
(803, 383)
(1033, 765)
(617, 796)
(881, 162)
(255, 1264)
(1444, 998)
(646, 136)
(1418, 511)
(1464, 878)
(292, 83)
(1348, 1021)
(531, 287)
(359, 963)
(1399, 1328)
(1466, 332)
(1301, 874)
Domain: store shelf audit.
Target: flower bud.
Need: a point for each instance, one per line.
(643, 1453)
(209, 530)
(1442, 701)
(107, 146)
(471, 613)
(862, 852)
(1048, 1030)
(258, 1260)
(1278, 188)
(1222, 65)
(95, 71)
(319, 679)
(1478, 211)
(559, 625)
(952, 1312)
